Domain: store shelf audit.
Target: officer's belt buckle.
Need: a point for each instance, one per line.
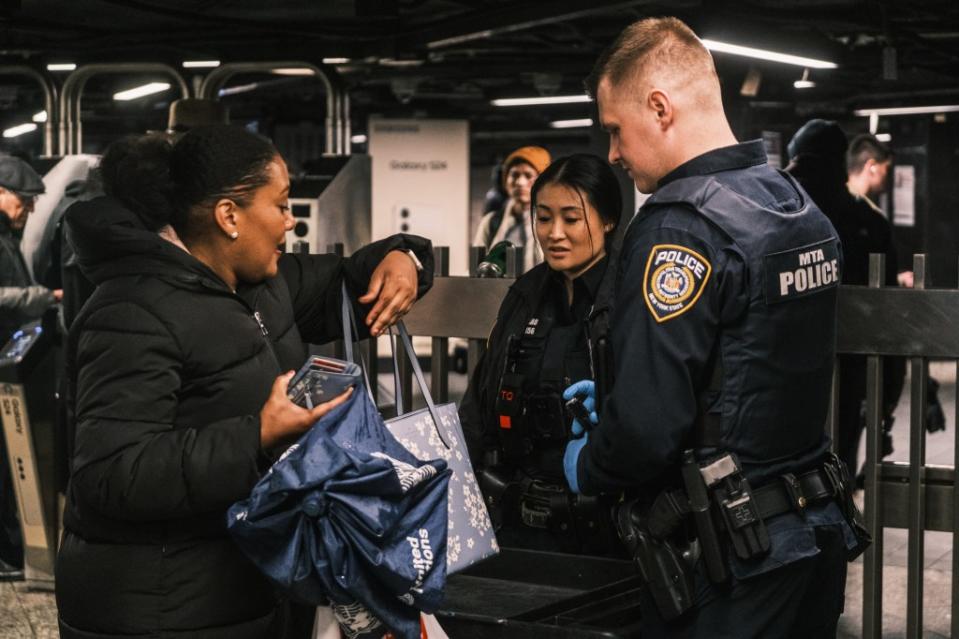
(795, 492)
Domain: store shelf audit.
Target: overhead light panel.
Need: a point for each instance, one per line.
(304, 71)
(62, 66)
(335, 60)
(916, 110)
(804, 82)
(40, 116)
(884, 137)
(201, 64)
(20, 129)
(551, 99)
(359, 138)
(571, 124)
(141, 91)
(771, 56)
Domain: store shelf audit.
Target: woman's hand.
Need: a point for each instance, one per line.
(282, 419)
(393, 286)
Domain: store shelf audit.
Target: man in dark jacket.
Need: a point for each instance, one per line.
(818, 161)
(19, 187)
(21, 301)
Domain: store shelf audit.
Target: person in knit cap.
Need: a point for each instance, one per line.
(512, 222)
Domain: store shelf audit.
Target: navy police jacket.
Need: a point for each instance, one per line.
(729, 263)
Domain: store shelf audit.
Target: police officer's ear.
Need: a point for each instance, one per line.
(661, 105)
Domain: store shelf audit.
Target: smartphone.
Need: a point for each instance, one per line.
(578, 411)
(321, 379)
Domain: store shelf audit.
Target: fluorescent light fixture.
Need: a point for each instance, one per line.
(884, 137)
(63, 66)
(916, 110)
(571, 124)
(20, 129)
(141, 91)
(335, 60)
(550, 99)
(201, 64)
(359, 138)
(400, 64)
(40, 117)
(804, 82)
(763, 54)
(293, 71)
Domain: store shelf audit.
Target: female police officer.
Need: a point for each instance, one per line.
(513, 412)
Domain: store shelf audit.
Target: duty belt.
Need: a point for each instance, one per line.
(790, 493)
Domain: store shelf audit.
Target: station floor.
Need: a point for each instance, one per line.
(25, 614)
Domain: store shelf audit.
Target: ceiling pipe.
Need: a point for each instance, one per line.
(49, 101)
(337, 106)
(71, 131)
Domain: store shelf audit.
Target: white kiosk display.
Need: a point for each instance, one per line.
(421, 182)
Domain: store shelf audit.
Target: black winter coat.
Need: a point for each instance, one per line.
(170, 370)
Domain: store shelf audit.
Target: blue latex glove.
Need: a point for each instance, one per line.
(585, 388)
(571, 459)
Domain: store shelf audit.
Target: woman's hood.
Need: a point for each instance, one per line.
(110, 241)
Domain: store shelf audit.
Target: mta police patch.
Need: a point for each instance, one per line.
(674, 280)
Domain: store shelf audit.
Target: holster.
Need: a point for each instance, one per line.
(500, 493)
(838, 476)
(667, 572)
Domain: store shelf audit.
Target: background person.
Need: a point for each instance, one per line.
(512, 222)
(22, 301)
(818, 160)
(537, 347)
(180, 362)
(710, 360)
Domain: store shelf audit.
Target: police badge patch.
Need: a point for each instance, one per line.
(675, 278)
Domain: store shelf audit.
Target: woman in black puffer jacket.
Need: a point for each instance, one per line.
(179, 363)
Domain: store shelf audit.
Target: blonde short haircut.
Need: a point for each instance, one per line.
(651, 46)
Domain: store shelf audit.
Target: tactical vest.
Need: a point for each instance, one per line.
(776, 360)
(540, 363)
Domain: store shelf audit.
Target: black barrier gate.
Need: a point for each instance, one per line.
(918, 324)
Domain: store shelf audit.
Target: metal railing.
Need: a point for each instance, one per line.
(917, 323)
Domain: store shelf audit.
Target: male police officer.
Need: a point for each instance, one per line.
(723, 336)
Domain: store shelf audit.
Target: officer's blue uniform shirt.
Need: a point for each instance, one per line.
(754, 286)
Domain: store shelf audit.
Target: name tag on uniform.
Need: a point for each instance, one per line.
(801, 271)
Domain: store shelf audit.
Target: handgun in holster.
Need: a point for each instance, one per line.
(500, 492)
(838, 476)
(667, 572)
(733, 498)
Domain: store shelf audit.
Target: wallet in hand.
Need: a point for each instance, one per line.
(321, 379)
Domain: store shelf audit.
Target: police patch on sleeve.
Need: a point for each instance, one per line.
(802, 271)
(675, 278)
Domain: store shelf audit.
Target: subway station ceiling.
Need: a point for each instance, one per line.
(450, 58)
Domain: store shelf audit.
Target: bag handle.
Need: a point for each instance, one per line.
(404, 338)
(350, 332)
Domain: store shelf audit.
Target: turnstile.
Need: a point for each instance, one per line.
(28, 409)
